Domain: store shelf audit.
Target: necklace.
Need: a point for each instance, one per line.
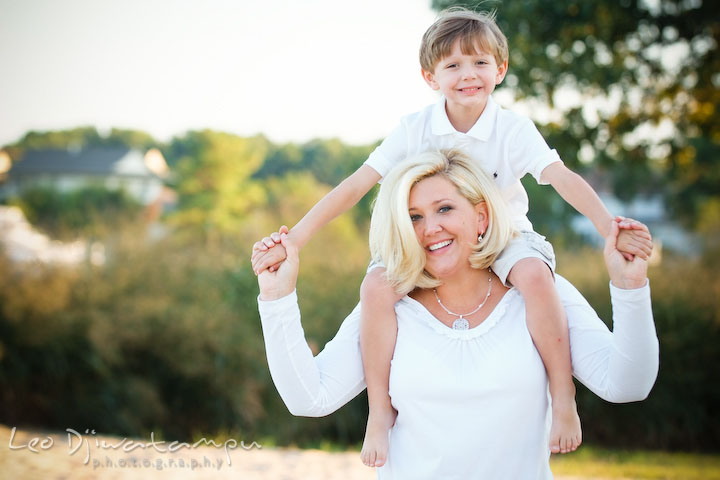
(461, 323)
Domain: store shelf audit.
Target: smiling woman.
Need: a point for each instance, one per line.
(430, 203)
(486, 384)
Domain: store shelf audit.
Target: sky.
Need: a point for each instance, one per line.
(291, 70)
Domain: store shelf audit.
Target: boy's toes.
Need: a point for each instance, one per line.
(555, 446)
(577, 441)
(368, 458)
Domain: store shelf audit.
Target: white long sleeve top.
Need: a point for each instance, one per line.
(471, 404)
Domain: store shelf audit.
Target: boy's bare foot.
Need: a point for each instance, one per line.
(375, 445)
(565, 432)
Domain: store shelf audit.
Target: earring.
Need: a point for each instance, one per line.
(480, 237)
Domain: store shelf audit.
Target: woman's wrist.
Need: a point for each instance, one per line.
(624, 283)
(271, 294)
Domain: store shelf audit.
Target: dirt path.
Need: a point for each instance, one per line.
(95, 458)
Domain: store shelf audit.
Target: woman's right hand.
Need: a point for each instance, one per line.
(281, 282)
(625, 274)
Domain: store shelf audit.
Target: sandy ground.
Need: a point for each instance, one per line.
(94, 458)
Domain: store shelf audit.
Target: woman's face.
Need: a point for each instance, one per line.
(446, 225)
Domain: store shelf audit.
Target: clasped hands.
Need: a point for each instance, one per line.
(279, 280)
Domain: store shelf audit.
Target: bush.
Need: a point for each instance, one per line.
(680, 412)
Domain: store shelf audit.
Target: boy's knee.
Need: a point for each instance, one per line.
(531, 272)
(375, 286)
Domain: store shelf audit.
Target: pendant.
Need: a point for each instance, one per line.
(460, 324)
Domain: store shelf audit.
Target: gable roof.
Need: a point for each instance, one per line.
(104, 161)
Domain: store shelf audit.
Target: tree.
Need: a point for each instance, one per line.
(217, 194)
(79, 137)
(648, 83)
(60, 139)
(90, 211)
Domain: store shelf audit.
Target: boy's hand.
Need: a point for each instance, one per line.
(267, 243)
(634, 239)
(270, 260)
(267, 253)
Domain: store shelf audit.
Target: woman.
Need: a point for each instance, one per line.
(471, 403)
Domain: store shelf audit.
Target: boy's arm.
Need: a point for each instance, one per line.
(634, 238)
(339, 200)
(578, 193)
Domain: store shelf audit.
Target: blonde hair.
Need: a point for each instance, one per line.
(472, 29)
(392, 235)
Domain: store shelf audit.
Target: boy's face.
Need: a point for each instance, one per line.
(466, 81)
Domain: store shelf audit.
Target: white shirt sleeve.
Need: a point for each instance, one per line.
(618, 366)
(391, 151)
(528, 152)
(311, 387)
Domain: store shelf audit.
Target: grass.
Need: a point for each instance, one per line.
(593, 463)
(596, 463)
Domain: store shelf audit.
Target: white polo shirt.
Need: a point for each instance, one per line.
(507, 146)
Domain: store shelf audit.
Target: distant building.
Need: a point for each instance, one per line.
(139, 174)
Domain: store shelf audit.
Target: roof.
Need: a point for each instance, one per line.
(121, 161)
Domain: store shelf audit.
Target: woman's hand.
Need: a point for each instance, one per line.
(625, 274)
(277, 284)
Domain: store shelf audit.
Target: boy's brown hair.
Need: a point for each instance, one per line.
(472, 29)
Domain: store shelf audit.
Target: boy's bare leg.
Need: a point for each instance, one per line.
(378, 332)
(547, 324)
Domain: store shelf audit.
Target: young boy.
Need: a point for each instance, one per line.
(464, 55)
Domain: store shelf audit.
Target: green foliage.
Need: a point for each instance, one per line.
(79, 138)
(217, 193)
(680, 412)
(90, 211)
(589, 462)
(61, 139)
(150, 342)
(163, 338)
(130, 138)
(551, 215)
(329, 161)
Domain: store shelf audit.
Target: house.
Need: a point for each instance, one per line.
(140, 175)
(113, 167)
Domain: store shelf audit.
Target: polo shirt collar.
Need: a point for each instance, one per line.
(481, 130)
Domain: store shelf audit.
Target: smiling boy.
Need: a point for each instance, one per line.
(464, 56)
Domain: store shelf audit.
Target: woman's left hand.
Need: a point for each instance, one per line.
(625, 274)
(280, 283)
